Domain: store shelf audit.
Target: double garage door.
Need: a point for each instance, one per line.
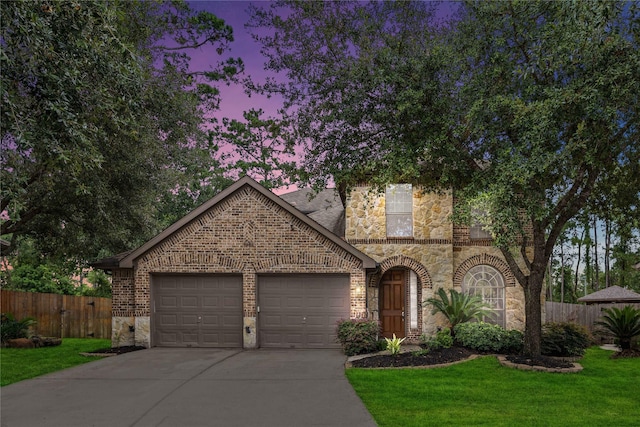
(295, 311)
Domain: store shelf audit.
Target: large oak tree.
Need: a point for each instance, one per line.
(101, 116)
(527, 109)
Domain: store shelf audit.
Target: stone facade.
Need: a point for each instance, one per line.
(247, 233)
(439, 253)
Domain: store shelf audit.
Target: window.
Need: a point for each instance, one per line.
(399, 210)
(486, 282)
(477, 230)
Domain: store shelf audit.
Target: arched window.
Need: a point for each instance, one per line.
(487, 282)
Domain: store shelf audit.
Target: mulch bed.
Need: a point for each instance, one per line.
(117, 350)
(625, 354)
(434, 357)
(455, 354)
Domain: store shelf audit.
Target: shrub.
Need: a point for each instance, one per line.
(393, 344)
(10, 328)
(358, 336)
(483, 336)
(443, 339)
(458, 308)
(564, 339)
(623, 324)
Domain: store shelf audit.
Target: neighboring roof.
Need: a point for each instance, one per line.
(325, 207)
(127, 261)
(611, 294)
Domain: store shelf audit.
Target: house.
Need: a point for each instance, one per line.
(252, 269)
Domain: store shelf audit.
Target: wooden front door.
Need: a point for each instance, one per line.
(392, 303)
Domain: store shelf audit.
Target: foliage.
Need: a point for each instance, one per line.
(459, 307)
(101, 116)
(100, 285)
(22, 364)
(10, 328)
(358, 77)
(442, 339)
(393, 344)
(358, 336)
(483, 336)
(564, 339)
(529, 107)
(496, 396)
(623, 324)
(33, 272)
(262, 148)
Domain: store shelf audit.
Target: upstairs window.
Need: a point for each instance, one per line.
(399, 210)
(478, 230)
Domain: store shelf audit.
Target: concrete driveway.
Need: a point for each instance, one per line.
(191, 387)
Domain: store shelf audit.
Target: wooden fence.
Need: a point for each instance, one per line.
(585, 315)
(64, 316)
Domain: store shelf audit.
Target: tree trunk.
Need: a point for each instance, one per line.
(533, 313)
(595, 254)
(607, 248)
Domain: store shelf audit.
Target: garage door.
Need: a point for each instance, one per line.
(301, 311)
(197, 311)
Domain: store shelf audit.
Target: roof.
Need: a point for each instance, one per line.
(611, 294)
(129, 258)
(109, 262)
(324, 207)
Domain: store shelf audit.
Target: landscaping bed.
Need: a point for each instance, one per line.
(434, 357)
(114, 351)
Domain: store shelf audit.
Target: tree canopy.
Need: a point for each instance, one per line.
(101, 116)
(527, 109)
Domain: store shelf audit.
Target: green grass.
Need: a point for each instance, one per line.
(482, 392)
(17, 364)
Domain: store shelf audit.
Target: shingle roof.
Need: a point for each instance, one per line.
(611, 294)
(325, 207)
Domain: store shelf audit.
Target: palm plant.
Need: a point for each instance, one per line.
(459, 307)
(623, 324)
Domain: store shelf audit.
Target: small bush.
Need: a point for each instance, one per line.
(564, 339)
(393, 344)
(483, 336)
(10, 328)
(358, 336)
(443, 339)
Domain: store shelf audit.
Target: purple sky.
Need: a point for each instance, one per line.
(235, 13)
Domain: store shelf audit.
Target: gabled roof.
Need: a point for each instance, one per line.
(127, 261)
(324, 207)
(611, 294)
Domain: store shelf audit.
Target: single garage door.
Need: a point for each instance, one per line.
(197, 311)
(301, 311)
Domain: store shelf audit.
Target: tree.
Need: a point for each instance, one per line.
(262, 148)
(363, 85)
(549, 94)
(100, 113)
(529, 106)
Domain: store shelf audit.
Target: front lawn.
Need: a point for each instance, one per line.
(17, 364)
(482, 392)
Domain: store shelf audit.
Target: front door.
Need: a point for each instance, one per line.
(392, 303)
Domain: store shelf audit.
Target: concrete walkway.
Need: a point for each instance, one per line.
(191, 387)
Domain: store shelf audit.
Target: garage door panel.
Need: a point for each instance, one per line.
(197, 311)
(301, 311)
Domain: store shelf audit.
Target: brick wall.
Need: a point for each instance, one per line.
(247, 234)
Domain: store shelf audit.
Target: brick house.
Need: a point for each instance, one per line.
(252, 269)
